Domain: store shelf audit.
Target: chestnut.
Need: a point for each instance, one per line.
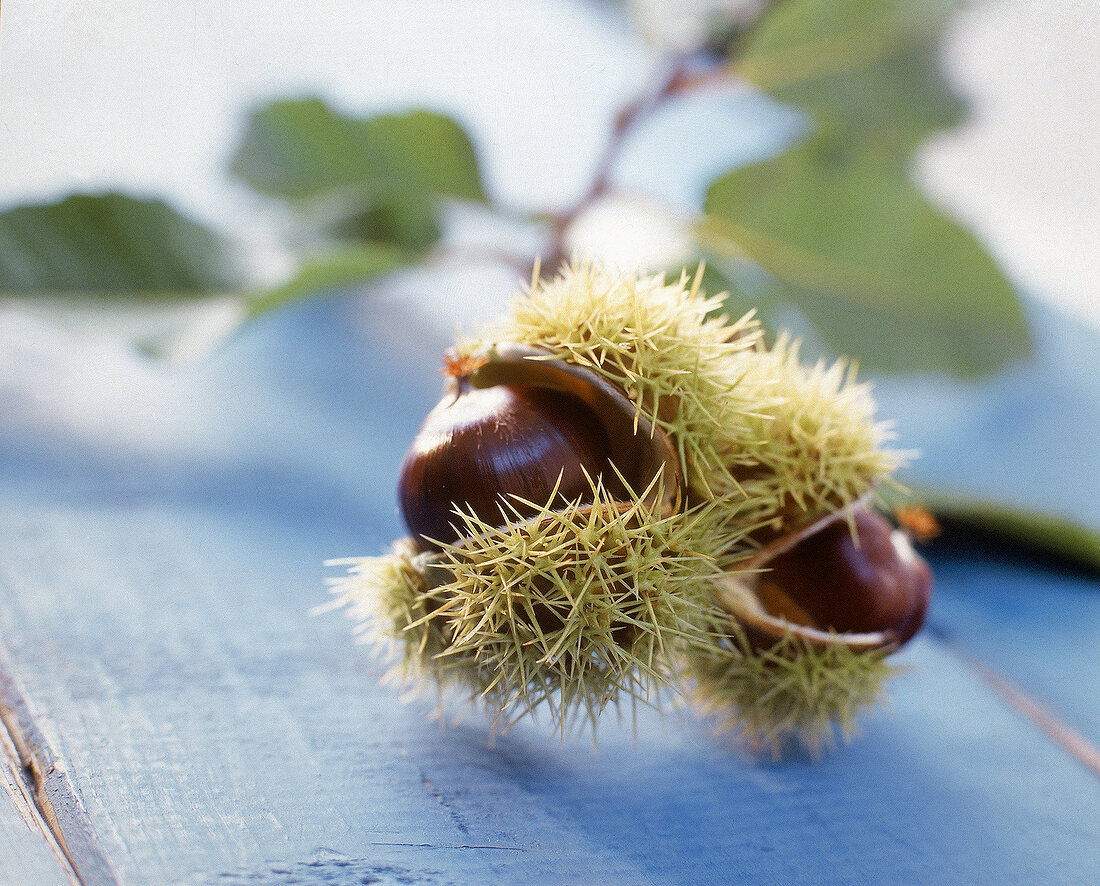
(858, 578)
(486, 449)
(849, 577)
(517, 431)
(809, 623)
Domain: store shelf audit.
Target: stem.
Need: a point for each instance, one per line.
(681, 76)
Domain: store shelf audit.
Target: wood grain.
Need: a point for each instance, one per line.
(49, 805)
(1037, 626)
(214, 730)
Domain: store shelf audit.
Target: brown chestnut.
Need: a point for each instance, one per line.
(507, 440)
(859, 581)
(517, 425)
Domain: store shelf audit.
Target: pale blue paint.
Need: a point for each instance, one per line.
(154, 608)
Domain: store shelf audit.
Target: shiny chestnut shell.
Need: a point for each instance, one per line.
(825, 584)
(480, 443)
(518, 425)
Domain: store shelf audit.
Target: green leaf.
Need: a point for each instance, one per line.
(112, 245)
(379, 178)
(410, 225)
(871, 264)
(866, 68)
(125, 255)
(972, 522)
(338, 268)
(836, 223)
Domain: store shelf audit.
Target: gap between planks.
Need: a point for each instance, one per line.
(48, 802)
(20, 786)
(1039, 715)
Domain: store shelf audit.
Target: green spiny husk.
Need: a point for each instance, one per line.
(665, 345)
(793, 690)
(816, 447)
(576, 608)
(390, 597)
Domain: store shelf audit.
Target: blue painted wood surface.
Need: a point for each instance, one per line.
(160, 554)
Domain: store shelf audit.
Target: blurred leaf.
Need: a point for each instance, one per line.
(131, 253)
(112, 245)
(338, 269)
(877, 270)
(865, 68)
(983, 525)
(378, 178)
(836, 223)
(412, 225)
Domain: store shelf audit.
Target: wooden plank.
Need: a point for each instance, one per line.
(214, 730)
(50, 803)
(154, 603)
(1038, 627)
(215, 736)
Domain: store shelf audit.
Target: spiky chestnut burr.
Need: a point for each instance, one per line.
(574, 608)
(571, 610)
(720, 454)
(814, 447)
(667, 347)
(810, 622)
(531, 592)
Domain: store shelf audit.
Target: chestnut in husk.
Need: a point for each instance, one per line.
(846, 578)
(518, 430)
(485, 448)
(624, 491)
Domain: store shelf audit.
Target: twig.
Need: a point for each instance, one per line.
(683, 75)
